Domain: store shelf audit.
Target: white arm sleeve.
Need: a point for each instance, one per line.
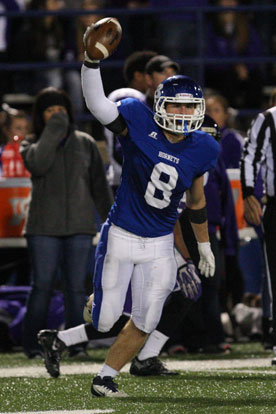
(98, 104)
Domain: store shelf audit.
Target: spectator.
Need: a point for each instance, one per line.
(231, 141)
(51, 41)
(68, 181)
(229, 34)
(12, 309)
(231, 149)
(15, 126)
(134, 69)
(14, 123)
(157, 69)
(205, 315)
(6, 32)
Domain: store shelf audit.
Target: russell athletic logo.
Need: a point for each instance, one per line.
(153, 135)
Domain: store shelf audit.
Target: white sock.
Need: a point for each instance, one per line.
(153, 346)
(274, 350)
(107, 371)
(74, 335)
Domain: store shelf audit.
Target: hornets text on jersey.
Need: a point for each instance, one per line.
(156, 172)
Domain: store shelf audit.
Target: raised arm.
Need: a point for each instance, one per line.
(98, 104)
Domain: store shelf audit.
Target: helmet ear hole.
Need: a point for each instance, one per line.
(179, 89)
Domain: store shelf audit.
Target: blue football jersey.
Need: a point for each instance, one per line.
(156, 172)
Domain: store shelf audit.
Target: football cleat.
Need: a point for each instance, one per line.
(149, 366)
(52, 348)
(273, 361)
(106, 387)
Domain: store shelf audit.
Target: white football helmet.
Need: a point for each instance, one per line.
(180, 89)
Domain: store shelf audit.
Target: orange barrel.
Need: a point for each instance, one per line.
(14, 202)
(234, 177)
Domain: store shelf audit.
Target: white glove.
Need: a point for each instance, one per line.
(207, 261)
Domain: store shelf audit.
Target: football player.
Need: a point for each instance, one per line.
(164, 156)
(187, 290)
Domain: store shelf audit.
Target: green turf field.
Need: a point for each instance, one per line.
(217, 388)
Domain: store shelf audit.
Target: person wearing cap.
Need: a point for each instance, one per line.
(134, 69)
(157, 69)
(68, 182)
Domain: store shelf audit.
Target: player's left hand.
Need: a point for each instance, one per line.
(188, 280)
(207, 260)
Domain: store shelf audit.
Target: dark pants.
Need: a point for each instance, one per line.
(197, 324)
(269, 222)
(47, 256)
(208, 304)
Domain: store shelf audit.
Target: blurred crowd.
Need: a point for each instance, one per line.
(229, 85)
(57, 40)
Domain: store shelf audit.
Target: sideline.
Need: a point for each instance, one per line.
(62, 412)
(91, 369)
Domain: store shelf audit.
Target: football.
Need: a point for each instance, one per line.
(102, 38)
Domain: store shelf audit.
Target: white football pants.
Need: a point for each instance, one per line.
(150, 265)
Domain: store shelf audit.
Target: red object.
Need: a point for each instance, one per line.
(12, 162)
(15, 196)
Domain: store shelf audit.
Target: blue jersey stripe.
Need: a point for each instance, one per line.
(97, 278)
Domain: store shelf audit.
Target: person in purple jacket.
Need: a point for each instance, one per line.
(231, 141)
(221, 215)
(232, 144)
(13, 308)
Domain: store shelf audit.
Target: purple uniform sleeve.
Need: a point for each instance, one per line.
(220, 207)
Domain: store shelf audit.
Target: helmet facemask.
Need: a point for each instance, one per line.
(179, 123)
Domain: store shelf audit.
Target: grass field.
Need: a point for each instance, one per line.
(240, 382)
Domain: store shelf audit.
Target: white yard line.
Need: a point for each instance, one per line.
(88, 368)
(63, 412)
